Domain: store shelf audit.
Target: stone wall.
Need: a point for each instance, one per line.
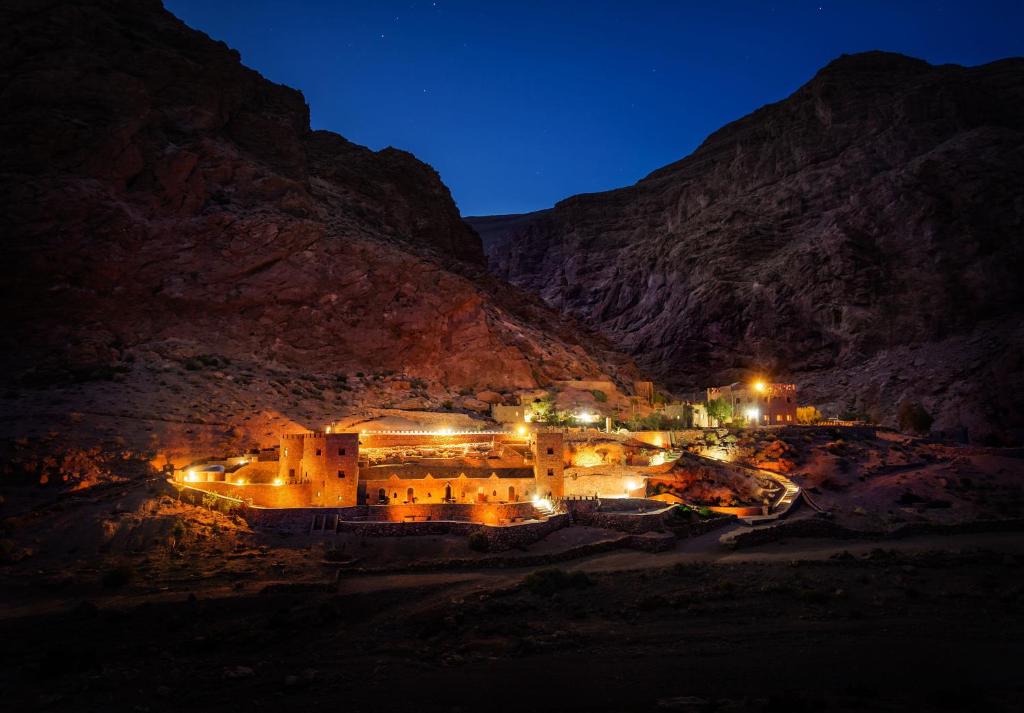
(660, 439)
(488, 513)
(264, 495)
(651, 518)
(463, 490)
(390, 440)
(498, 537)
(603, 485)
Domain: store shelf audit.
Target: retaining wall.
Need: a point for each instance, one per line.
(264, 495)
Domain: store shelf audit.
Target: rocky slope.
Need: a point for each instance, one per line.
(163, 204)
(862, 237)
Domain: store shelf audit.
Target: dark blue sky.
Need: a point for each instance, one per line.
(521, 104)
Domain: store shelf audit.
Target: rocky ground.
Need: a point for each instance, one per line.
(878, 480)
(212, 616)
(116, 595)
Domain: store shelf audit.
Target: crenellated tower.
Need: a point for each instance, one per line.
(548, 463)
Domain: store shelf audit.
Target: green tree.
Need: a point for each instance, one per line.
(720, 410)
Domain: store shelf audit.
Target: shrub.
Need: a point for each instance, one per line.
(720, 410)
(545, 582)
(447, 405)
(599, 396)
(117, 577)
(478, 542)
(912, 417)
(808, 415)
(336, 555)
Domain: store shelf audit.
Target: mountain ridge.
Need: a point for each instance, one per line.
(790, 242)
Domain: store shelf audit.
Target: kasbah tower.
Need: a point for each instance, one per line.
(329, 462)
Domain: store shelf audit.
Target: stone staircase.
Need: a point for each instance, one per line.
(544, 509)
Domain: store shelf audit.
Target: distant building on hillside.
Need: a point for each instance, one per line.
(759, 403)
(644, 390)
(687, 414)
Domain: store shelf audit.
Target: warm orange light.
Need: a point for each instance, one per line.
(278, 481)
(759, 386)
(587, 459)
(521, 430)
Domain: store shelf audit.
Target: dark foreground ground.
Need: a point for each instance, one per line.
(880, 630)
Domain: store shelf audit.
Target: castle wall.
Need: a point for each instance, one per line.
(387, 440)
(330, 462)
(463, 490)
(290, 457)
(548, 464)
(263, 495)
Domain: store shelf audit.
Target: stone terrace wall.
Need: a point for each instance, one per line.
(488, 513)
(389, 440)
(619, 518)
(498, 537)
(265, 495)
(298, 519)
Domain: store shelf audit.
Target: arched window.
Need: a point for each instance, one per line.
(409, 496)
(511, 493)
(382, 496)
(448, 491)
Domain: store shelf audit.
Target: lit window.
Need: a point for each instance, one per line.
(286, 452)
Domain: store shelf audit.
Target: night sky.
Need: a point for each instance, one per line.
(521, 104)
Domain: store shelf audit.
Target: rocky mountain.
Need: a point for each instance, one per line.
(862, 237)
(178, 243)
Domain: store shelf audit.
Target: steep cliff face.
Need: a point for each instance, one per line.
(863, 237)
(154, 188)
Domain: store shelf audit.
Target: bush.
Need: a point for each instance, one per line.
(599, 396)
(912, 417)
(808, 415)
(117, 577)
(478, 542)
(720, 410)
(545, 582)
(336, 555)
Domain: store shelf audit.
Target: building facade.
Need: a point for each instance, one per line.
(759, 403)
